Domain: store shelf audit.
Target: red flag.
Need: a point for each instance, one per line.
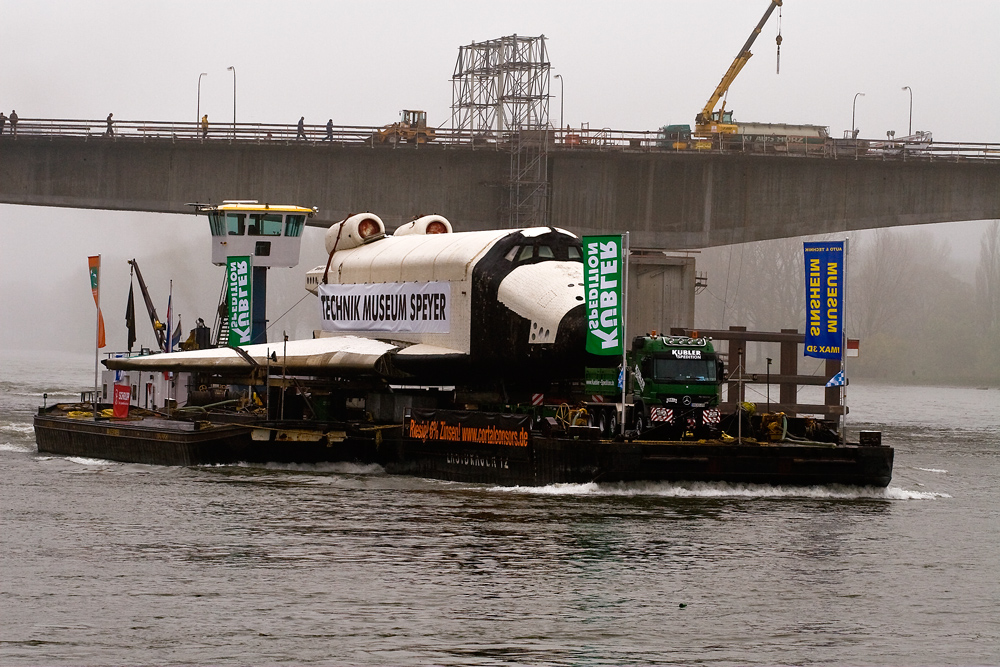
(95, 283)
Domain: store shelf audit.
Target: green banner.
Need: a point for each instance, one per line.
(601, 381)
(238, 275)
(602, 257)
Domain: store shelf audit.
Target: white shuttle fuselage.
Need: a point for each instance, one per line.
(492, 308)
(498, 301)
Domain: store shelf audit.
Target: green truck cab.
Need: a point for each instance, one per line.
(675, 383)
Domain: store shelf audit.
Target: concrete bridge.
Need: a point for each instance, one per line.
(666, 198)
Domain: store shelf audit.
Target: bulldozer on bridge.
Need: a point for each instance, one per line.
(411, 128)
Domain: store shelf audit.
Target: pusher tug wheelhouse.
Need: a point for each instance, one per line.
(461, 356)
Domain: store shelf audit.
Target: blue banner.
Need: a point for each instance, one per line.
(824, 299)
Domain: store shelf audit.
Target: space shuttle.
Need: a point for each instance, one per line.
(429, 306)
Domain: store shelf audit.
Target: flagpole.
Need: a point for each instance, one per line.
(170, 338)
(170, 317)
(626, 251)
(97, 339)
(843, 355)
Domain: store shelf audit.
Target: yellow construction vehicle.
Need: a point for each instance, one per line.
(710, 123)
(412, 127)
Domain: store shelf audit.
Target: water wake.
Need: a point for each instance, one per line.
(337, 467)
(11, 447)
(721, 490)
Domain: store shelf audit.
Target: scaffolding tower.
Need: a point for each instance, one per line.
(500, 95)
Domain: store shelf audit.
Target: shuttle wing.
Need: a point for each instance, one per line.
(338, 355)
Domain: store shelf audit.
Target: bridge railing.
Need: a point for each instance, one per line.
(558, 139)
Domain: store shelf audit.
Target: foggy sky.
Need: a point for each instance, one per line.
(626, 65)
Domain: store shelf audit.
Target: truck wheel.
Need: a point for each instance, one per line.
(640, 421)
(612, 425)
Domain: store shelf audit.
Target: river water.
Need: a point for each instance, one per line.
(109, 563)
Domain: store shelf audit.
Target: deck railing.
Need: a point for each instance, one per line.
(558, 139)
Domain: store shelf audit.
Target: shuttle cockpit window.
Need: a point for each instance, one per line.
(523, 253)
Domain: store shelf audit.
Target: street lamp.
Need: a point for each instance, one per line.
(910, 133)
(853, 108)
(233, 70)
(561, 101)
(198, 116)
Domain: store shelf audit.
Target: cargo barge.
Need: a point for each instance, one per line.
(459, 356)
(436, 444)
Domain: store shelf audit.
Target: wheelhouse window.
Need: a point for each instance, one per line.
(217, 223)
(265, 224)
(294, 225)
(236, 223)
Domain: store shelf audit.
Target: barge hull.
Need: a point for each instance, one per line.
(552, 460)
(154, 445)
(538, 462)
(174, 443)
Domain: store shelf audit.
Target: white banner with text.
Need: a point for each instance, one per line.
(396, 307)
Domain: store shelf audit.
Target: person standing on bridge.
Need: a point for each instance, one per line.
(13, 122)
(110, 132)
(329, 130)
(204, 126)
(3, 121)
(302, 129)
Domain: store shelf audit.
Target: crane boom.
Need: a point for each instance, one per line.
(709, 121)
(158, 326)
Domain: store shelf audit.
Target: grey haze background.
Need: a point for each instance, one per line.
(626, 65)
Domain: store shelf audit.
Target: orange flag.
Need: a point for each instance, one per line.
(95, 282)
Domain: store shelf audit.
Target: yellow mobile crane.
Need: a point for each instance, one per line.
(709, 122)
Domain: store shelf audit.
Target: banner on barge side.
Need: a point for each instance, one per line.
(479, 428)
(411, 307)
(238, 276)
(824, 263)
(602, 266)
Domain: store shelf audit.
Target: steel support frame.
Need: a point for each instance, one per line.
(500, 95)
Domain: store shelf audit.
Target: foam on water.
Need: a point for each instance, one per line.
(82, 460)
(337, 467)
(18, 428)
(896, 493)
(11, 447)
(721, 490)
(931, 470)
